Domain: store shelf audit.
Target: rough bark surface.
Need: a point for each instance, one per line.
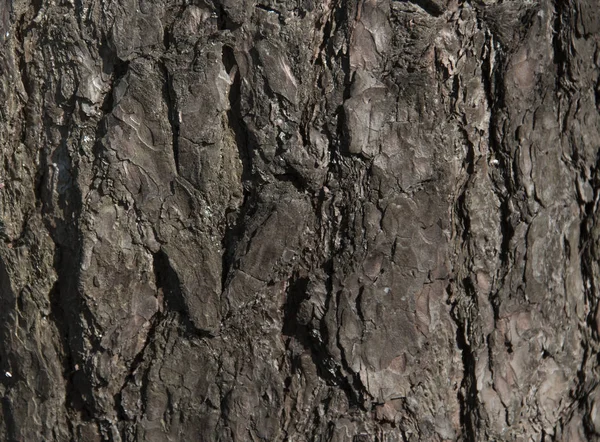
(299, 220)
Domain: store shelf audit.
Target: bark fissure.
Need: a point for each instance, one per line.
(345, 221)
(173, 115)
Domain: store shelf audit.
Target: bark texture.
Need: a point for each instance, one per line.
(299, 220)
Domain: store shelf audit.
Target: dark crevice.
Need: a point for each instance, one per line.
(267, 8)
(464, 308)
(430, 6)
(562, 11)
(136, 363)
(507, 231)
(469, 161)
(589, 428)
(168, 281)
(9, 421)
(76, 326)
(8, 358)
(224, 21)
(167, 39)
(590, 255)
(170, 99)
(296, 294)
(467, 394)
(114, 67)
(70, 314)
(144, 391)
(326, 43)
(244, 142)
(463, 217)
(59, 318)
(493, 81)
(229, 62)
(342, 127)
(315, 342)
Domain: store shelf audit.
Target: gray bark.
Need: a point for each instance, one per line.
(362, 220)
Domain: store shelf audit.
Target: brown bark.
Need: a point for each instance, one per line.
(363, 220)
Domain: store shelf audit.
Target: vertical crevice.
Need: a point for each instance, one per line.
(170, 99)
(76, 326)
(296, 293)
(467, 394)
(7, 358)
(9, 421)
(61, 323)
(137, 362)
(503, 177)
(167, 280)
(235, 218)
(589, 256)
(117, 69)
(235, 118)
(562, 11)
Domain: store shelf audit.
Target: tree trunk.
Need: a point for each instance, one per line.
(349, 221)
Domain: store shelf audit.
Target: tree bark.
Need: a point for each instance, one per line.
(345, 221)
